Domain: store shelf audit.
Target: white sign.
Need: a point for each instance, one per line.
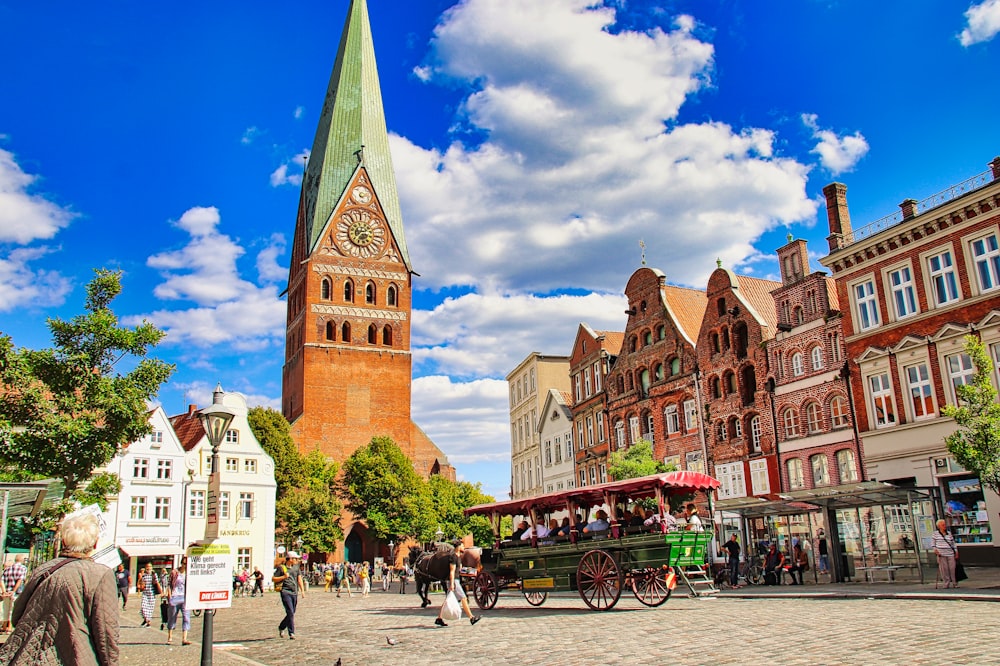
(209, 576)
(106, 552)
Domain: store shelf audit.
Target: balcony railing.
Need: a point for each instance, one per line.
(943, 197)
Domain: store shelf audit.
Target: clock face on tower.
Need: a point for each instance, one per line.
(360, 234)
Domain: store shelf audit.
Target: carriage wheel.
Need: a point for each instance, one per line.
(599, 580)
(535, 598)
(651, 587)
(485, 590)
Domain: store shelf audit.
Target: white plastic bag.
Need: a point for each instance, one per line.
(451, 610)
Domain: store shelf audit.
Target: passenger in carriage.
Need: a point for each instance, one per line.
(651, 521)
(693, 520)
(553, 527)
(638, 518)
(579, 525)
(599, 524)
(541, 531)
(565, 528)
(522, 527)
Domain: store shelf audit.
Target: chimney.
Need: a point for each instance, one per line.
(793, 259)
(192, 410)
(837, 214)
(909, 208)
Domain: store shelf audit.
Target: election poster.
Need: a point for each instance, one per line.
(209, 576)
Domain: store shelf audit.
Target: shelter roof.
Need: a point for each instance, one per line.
(28, 498)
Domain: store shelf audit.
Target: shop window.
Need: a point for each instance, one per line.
(965, 506)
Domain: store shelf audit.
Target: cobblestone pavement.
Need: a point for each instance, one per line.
(722, 630)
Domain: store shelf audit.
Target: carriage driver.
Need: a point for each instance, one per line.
(454, 582)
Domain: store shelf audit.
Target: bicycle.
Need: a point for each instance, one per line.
(751, 572)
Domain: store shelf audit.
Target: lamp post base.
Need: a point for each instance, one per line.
(207, 638)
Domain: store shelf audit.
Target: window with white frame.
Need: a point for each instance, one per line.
(760, 484)
(140, 468)
(579, 435)
(590, 430)
(790, 420)
(620, 434)
(597, 377)
(721, 431)
(671, 419)
(531, 375)
(755, 435)
(633, 427)
(138, 509)
(164, 469)
(583, 478)
(577, 387)
(243, 558)
(672, 462)
(196, 504)
(156, 438)
(232, 464)
(816, 357)
(557, 448)
(986, 255)
(648, 432)
(838, 411)
(587, 391)
(821, 470)
(600, 426)
(693, 461)
(730, 475)
(224, 505)
(737, 428)
(846, 468)
(944, 281)
(797, 367)
(548, 451)
(232, 436)
(918, 382)
(161, 508)
(882, 402)
(836, 351)
(246, 506)
(531, 479)
(796, 480)
(603, 477)
(569, 445)
(814, 418)
(960, 371)
(866, 305)
(904, 297)
(995, 355)
(690, 416)
(250, 466)
(593, 475)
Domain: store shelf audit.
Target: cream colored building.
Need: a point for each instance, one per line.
(555, 430)
(529, 384)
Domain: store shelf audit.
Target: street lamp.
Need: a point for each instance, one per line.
(392, 559)
(215, 419)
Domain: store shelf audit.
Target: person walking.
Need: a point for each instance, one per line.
(943, 544)
(13, 581)
(328, 579)
(404, 575)
(124, 581)
(68, 612)
(149, 587)
(824, 553)
(258, 583)
(385, 577)
(366, 581)
(732, 548)
(454, 584)
(289, 577)
(178, 584)
(345, 581)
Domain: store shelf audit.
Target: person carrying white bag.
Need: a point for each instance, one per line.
(455, 593)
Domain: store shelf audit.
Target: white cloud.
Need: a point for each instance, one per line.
(477, 335)
(24, 216)
(577, 164)
(281, 175)
(983, 23)
(467, 420)
(200, 393)
(837, 154)
(299, 110)
(250, 135)
(23, 287)
(233, 311)
(268, 267)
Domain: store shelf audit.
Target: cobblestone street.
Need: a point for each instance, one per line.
(723, 630)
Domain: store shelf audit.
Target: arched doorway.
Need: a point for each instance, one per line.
(353, 548)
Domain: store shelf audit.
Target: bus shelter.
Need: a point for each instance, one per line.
(869, 527)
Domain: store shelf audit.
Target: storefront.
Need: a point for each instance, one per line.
(967, 508)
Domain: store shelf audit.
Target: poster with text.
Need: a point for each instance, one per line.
(209, 576)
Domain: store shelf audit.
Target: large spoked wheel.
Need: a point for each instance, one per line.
(599, 580)
(485, 590)
(755, 575)
(535, 598)
(651, 586)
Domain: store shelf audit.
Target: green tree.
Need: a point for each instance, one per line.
(271, 429)
(450, 499)
(379, 486)
(68, 410)
(976, 443)
(635, 461)
(312, 515)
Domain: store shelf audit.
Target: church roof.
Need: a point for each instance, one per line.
(352, 117)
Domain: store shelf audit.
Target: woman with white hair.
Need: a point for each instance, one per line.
(68, 612)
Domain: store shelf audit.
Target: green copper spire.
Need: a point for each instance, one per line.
(352, 117)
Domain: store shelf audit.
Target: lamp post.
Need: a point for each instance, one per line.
(392, 559)
(215, 419)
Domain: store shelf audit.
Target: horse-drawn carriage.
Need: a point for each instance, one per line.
(597, 565)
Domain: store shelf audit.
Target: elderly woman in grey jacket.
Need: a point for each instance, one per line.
(68, 612)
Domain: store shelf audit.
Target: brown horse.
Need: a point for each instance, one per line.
(434, 565)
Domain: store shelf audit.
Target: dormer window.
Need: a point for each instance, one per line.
(232, 437)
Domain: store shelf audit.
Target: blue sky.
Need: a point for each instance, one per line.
(535, 144)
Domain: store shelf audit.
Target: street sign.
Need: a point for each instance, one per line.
(209, 576)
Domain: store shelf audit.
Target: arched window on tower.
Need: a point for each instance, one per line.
(372, 334)
(324, 289)
(387, 336)
(345, 332)
(348, 291)
(390, 296)
(331, 331)
(370, 293)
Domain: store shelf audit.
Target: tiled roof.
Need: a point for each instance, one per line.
(688, 307)
(566, 398)
(613, 341)
(188, 428)
(757, 293)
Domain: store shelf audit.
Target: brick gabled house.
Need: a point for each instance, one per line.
(652, 392)
(594, 354)
(817, 443)
(739, 321)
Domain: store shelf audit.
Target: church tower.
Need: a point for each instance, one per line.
(347, 371)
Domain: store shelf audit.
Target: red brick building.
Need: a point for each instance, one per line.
(739, 321)
(594, 353)
(817, 443)
(911, 285)
(652, 391)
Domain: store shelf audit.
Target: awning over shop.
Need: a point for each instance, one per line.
(150, 550)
